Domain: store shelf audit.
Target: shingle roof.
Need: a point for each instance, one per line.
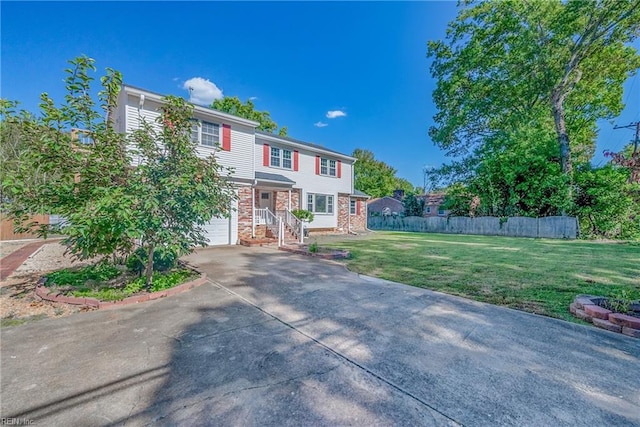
(297, 141)
(273, 177)
(360, 193)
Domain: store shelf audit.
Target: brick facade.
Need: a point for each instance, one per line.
(346, 220)
(343, 213)
(282, 200)
(359, 220)
(245, 213)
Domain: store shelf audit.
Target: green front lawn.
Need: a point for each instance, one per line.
(537, 275)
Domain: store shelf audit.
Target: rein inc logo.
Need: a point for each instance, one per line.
(10, 421)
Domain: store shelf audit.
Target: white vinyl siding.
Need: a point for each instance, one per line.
(239, 158)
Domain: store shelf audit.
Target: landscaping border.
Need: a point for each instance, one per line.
(43, 292)
(587, 308)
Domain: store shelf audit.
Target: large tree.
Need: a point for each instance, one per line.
(108, 205)
(504, 63)
(375, 177)
(247, 110)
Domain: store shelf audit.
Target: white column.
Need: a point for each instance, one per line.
(289, 200)
(253, 212)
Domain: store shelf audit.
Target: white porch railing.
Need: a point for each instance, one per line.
(274, 224)
(294, 224)
(260, 215)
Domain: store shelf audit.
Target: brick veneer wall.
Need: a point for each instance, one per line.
(343, 213)
(245, 213)
(359, 221)
(282, 200)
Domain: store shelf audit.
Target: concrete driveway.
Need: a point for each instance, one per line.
(280, 339)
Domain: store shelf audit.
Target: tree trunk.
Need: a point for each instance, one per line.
(563, 137)
(563, 142)
(149, 269)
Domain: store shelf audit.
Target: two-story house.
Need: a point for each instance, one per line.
(272, 175)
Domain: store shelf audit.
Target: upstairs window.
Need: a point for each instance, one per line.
(205, 133)
(328, 167)
(281, 158)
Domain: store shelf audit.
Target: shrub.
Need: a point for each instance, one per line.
(163, 260)
(303, 215)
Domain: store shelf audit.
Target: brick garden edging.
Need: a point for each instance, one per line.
(46, 294)
(335, 254)
(586, 307)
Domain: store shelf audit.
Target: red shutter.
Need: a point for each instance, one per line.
(317, 165)
(226, 137)
(339, 168)
(265, 155)
(357, 207)
(295, 161)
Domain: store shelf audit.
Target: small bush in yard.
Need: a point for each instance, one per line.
(163, 260)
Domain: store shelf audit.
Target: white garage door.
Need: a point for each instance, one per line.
(223, 231)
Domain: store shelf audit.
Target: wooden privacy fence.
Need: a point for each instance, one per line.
(7, 232)
(550, 227)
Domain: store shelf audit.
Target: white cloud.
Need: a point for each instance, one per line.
(253, 98)
(335, 113)
(202, 91)
(320, 124)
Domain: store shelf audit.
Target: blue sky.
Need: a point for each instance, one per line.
(300, 61)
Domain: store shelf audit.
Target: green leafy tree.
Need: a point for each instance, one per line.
(247, 110)
(607, 204)
(175, 192)
(375, 177)
(509, 64)
(108, 204)
(413, 206)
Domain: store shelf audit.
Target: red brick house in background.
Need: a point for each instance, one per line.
(386, 205)
(433, 204)
(394, 206)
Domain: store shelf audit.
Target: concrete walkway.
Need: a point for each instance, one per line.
(280, 339)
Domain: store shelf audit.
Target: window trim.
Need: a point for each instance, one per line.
(312, 203)
(326, 165)
(199, 126)
(281, 158)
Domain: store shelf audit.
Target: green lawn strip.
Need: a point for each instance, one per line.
(109, 283)
(536, 275)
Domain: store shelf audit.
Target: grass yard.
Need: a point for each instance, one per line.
(536, 275)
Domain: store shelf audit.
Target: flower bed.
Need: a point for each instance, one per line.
(100, 286)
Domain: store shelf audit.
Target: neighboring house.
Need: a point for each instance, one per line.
(272, 175)
(386, 205)
(433, 204)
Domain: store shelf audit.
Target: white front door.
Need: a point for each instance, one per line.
(265, 200)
